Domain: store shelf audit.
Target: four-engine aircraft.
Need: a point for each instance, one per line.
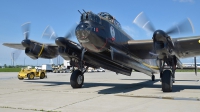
(103, 43)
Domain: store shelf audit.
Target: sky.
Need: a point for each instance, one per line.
(63, 14)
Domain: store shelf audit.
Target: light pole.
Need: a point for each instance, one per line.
(13, 58)
(24, 61)
(57, 60)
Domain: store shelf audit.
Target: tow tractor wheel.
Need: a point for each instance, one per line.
(42, 75)
(167, 81)
(77, 79)
(20, 78)
(30, 76)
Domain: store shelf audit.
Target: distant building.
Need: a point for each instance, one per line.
(190, 65)
(67, 63)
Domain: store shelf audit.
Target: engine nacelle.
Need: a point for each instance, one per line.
(68, 49)
(41, 51)
(67, 52)
(163, 44)
(30, 53)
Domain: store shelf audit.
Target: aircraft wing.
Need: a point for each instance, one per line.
(141, 48)
(14, 45)
(184, 47)
(187, 47)
(21, 47)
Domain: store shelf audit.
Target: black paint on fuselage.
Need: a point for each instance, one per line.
(98, 33)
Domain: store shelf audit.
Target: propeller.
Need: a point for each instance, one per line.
(25, 29)
(143, 21)
(49, 33)
(185, 26)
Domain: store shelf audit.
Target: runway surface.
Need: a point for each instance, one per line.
(104, 91)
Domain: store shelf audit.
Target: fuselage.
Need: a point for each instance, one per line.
(101, 32)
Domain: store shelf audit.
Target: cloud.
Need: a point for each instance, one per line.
(184, 1)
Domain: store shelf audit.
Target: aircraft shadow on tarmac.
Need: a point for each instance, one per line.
(122, 88)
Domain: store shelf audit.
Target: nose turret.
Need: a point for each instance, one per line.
(83, 30)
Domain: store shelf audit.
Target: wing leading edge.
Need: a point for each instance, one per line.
(14, 45)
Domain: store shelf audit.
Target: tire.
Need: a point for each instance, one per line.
(42, 75)
(167, 81)
(31, 76)
(77, 79)
(20, 78)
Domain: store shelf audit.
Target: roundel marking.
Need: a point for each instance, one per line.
(112, 31)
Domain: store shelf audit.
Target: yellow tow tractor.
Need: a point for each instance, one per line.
(31, 73)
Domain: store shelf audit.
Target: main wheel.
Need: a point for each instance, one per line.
(30, 76)
(77, 79)
(167, 81)
(42, 75)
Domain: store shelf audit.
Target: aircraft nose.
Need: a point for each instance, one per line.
(82, 31)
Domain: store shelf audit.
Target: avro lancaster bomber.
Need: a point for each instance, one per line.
(103, 43)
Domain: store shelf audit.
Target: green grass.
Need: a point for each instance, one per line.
(10, 69)
(186, 70)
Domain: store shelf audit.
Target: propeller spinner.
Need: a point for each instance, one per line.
(26, 30)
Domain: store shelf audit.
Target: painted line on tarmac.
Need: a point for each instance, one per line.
(162, 97)
(7, 78)
(41, 110)
(87, 99)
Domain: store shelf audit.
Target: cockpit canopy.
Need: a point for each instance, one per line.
(110, 18)
(96, 18)
(90, 16)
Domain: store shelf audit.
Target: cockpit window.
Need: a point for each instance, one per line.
(110, 18)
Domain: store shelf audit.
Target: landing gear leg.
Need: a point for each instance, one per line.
(153, 77)
(174, 62)
(161, 66)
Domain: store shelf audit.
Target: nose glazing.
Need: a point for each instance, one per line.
(82, 31)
